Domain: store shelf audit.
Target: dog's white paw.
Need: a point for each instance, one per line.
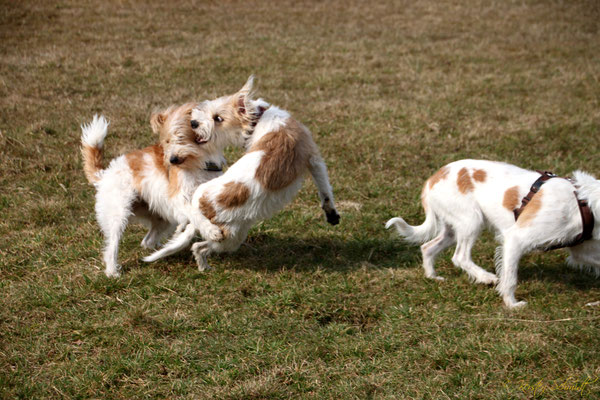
(488, 279)
(215, 234)
(113, 272)
(516, 305)
(435, 278)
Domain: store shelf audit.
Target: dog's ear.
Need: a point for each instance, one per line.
(243, 97)
(157, 120)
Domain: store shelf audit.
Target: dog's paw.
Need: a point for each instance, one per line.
(333, 217)
(488, 279)
(515, 305)
(215, 234)
(113, 272)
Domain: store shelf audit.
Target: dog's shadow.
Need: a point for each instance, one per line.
(274, 253)
(553, 268)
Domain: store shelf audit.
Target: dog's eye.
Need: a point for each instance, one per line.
(218, 118)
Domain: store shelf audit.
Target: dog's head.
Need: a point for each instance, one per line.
(227, 120)
(182, 146)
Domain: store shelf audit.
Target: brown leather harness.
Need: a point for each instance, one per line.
(587, 218)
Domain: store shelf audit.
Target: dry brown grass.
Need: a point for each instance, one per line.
(392, 90)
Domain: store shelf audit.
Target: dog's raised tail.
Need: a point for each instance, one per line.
(415, 234)
(92, 143)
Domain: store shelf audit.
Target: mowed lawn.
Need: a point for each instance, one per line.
(391, 90)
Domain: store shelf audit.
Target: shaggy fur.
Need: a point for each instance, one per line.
(279, 152)
(465, 195)
(152, 185)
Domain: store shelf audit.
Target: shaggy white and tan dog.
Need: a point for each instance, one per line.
(279, 152)
(151, 185)
(463, 196)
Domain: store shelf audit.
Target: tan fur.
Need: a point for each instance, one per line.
(423, 203)
(92, 162)
(479, 175)
(438, 176)
(511, 198)
(136, 160)
(531, 209)
(234, 194)
(464, 182)
(287, 152)
(208, 210)
(173, 181)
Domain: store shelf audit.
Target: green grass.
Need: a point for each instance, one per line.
(392, 90)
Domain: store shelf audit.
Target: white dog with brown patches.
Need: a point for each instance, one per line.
(151, 185)
(279, 152)
(465, 195)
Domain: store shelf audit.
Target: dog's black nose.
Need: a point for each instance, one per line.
(175, 160)
(194, 124)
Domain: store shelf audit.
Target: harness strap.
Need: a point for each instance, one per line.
(587, 217)
(546, 175)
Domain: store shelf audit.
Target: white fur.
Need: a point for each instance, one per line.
(118, 201)
(458, 218)
(260, 205)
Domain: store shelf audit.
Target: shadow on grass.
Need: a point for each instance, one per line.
(265, 252)
(558, 271)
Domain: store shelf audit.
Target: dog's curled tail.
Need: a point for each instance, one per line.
(415, 234)
(92, 142)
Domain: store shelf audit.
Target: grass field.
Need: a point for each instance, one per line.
(392, 90)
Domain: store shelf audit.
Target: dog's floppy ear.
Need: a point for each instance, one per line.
(243, 97)
(157, 120)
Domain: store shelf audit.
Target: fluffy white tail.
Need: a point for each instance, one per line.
(415, 234)
(176, 244)
(92, 141)
(588, 188)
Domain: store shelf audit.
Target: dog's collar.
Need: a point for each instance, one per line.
(587, 218)
(213, 167)
(260, 110)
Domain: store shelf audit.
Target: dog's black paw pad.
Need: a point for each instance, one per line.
(333, 217)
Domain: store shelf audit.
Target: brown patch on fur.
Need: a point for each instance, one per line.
(511, 198)
(208, 210)
(423, 196)
(438, 176)
(464, 182)
(287, 152)
(479, 175)
(136, 161)
(92, 162)
(531, 209)
(234, 194)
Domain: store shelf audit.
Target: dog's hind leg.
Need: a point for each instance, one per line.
(318, 171)
(159, 228)
(465, 240)
(431, 249)
(113, 225)
(177, 243)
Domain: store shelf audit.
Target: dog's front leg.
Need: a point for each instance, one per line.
(201, 250)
